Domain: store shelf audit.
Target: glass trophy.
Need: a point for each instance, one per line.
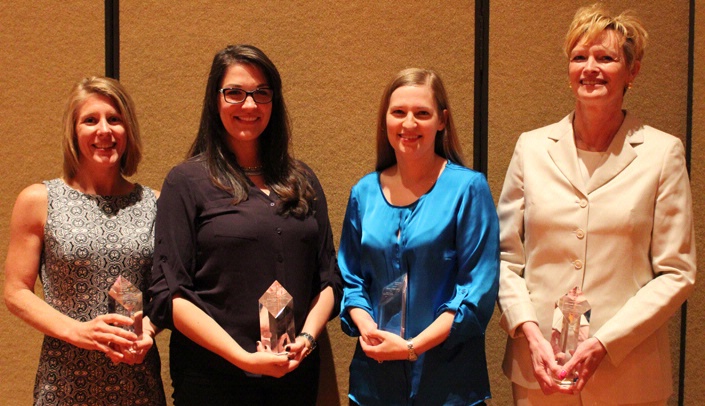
(126, 299)
(276, 318)
(571, 325)
(392, 307)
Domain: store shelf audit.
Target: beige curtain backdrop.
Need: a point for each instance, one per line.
(335, 58)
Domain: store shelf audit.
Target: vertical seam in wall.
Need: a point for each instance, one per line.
(480, 117)
(689, 101)
(112, 39)
(688, 152)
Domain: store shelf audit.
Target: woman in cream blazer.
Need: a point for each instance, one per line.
(602, 202)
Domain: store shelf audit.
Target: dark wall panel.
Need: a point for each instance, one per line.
(695, 355)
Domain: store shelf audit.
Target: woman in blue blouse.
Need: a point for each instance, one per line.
(424, 215)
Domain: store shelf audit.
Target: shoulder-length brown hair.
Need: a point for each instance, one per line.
(446, 143)
(122, 101)
(285, 176)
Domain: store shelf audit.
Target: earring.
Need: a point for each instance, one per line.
(629, 85)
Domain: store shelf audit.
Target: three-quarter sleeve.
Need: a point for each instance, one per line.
(328, 269)
(174, 251)
(477, 247)
(349, 254)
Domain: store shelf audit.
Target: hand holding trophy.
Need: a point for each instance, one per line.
(276, 318)
(571, 324)
(392, 307)
(126, 299)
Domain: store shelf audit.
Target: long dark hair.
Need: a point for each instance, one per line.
(284, 176)
(446, 142)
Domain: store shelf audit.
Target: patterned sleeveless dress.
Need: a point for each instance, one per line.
(89, 241)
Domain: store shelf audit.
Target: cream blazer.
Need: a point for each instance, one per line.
(626, 238)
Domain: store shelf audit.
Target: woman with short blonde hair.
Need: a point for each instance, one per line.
(600, 202)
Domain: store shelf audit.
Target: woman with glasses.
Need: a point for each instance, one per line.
(237, 217)
(79, 234)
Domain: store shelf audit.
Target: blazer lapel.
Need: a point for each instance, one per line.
(564, 154)
(620, 153)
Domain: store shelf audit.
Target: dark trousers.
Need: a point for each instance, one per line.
(298, 388)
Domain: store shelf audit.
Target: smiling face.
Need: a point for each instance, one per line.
(598, 71)
(413, 121)
(245, 121)
(100, 133)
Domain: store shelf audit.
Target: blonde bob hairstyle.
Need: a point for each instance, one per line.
(589, 22)
(122, 102)
(446, 143)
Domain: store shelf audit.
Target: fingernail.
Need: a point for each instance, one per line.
(563, 374)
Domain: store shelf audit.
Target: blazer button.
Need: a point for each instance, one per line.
(578, 264)
(580, 233)
(583, 203)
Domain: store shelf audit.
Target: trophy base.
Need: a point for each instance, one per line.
(566, 382)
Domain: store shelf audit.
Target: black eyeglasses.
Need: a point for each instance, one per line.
(235, 95)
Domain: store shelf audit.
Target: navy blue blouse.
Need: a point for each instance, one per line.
(448, 244)
(223, 257)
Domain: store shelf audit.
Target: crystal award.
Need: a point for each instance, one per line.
(571, 324)
(276, 318)
(392, 307)
(126, 299)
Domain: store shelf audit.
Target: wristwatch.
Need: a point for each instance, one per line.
(412, 353)
(311, 341)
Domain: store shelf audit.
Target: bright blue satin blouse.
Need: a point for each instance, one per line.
(448, 243)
